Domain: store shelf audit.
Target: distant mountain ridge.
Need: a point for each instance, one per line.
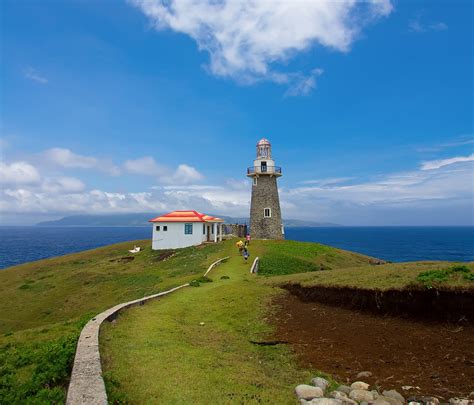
(141, 219)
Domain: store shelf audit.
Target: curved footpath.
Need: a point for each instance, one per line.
(87, 384)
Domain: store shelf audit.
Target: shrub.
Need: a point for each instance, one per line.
(460, 269)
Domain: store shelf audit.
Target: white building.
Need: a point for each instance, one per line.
(179, 229)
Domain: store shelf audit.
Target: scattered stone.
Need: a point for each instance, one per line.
(345, 389)
(320, 382)
(459, 401)
(394, 394)
(409, 387)
(201, 323)
(325, 401)
(308, 392)
(359, 385)
(414, 403)
(361, 395)
(364, 374)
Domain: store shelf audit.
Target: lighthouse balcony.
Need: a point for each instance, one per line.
(264, 170)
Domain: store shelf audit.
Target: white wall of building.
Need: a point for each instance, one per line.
(174, 236)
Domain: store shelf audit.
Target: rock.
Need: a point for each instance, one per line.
(380, 401)
(395, 395)
(430, 400)
(376, 394)
(414, 403)
(364, 374)
(320, 382)
(308, 392)
(459, 401)
(361, 395)
(390, 400)
(325, 401)
(359, 385)
(345, 389)
(342, 396)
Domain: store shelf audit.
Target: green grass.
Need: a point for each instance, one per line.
(194, 346)
(161, 352)
(388, 276)
(290, 257)
(44, 302)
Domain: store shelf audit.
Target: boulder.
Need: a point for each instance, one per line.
(320, 382)
(308, 392)
(344, 388)
(376, 394)
(395, 395)
(361, 395)
(364, 374)
(359, 385)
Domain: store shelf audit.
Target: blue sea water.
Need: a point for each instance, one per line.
(398, 244)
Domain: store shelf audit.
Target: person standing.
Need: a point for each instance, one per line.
(247, 239)
(246, 254)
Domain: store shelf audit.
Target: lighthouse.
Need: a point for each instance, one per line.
(265, 213)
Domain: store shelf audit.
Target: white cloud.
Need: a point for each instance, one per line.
(417, 25)
(436, 164)
(32, 74)
(66, 158)
(62, 185)
(246, 38)
(441, 194)
(18, 173)
(147, 166)
(186, 174)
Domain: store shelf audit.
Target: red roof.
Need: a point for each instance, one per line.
(185, 216)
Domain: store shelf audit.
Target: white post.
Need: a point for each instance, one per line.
(220, 232)
(215, 232)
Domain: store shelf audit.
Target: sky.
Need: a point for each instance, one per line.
(153, 106)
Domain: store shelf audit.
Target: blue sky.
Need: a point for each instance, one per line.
(137, 106)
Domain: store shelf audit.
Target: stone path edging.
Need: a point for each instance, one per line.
(254, 268)
(87, 384)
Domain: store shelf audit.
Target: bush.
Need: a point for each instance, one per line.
(51, 364)
(439, 276)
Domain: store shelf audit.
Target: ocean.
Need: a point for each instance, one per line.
(397, 244)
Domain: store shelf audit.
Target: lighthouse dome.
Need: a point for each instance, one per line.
(263, 141)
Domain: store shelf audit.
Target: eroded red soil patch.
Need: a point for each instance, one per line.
(437, 357)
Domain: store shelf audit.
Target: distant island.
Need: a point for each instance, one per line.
(142, 219)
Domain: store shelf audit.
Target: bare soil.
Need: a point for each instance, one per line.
(437, 357)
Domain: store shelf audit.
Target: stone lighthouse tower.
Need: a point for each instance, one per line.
(265, 214)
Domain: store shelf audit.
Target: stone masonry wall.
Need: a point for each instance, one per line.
(265, 195)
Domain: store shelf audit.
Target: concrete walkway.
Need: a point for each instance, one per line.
(87, 384)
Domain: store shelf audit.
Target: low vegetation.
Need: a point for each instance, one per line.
(388, 276)
(200, 334)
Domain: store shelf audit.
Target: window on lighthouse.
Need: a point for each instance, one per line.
(267, 213)
(254, 181)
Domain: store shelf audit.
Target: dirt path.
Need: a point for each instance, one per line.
(438, 358)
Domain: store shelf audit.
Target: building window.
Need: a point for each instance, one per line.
(267, 213)
(212, 229)
(165, 228)
(203, 229)
(255, 181)
(188, 229)
(158, 228)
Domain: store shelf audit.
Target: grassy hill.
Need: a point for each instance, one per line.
(44, 305)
